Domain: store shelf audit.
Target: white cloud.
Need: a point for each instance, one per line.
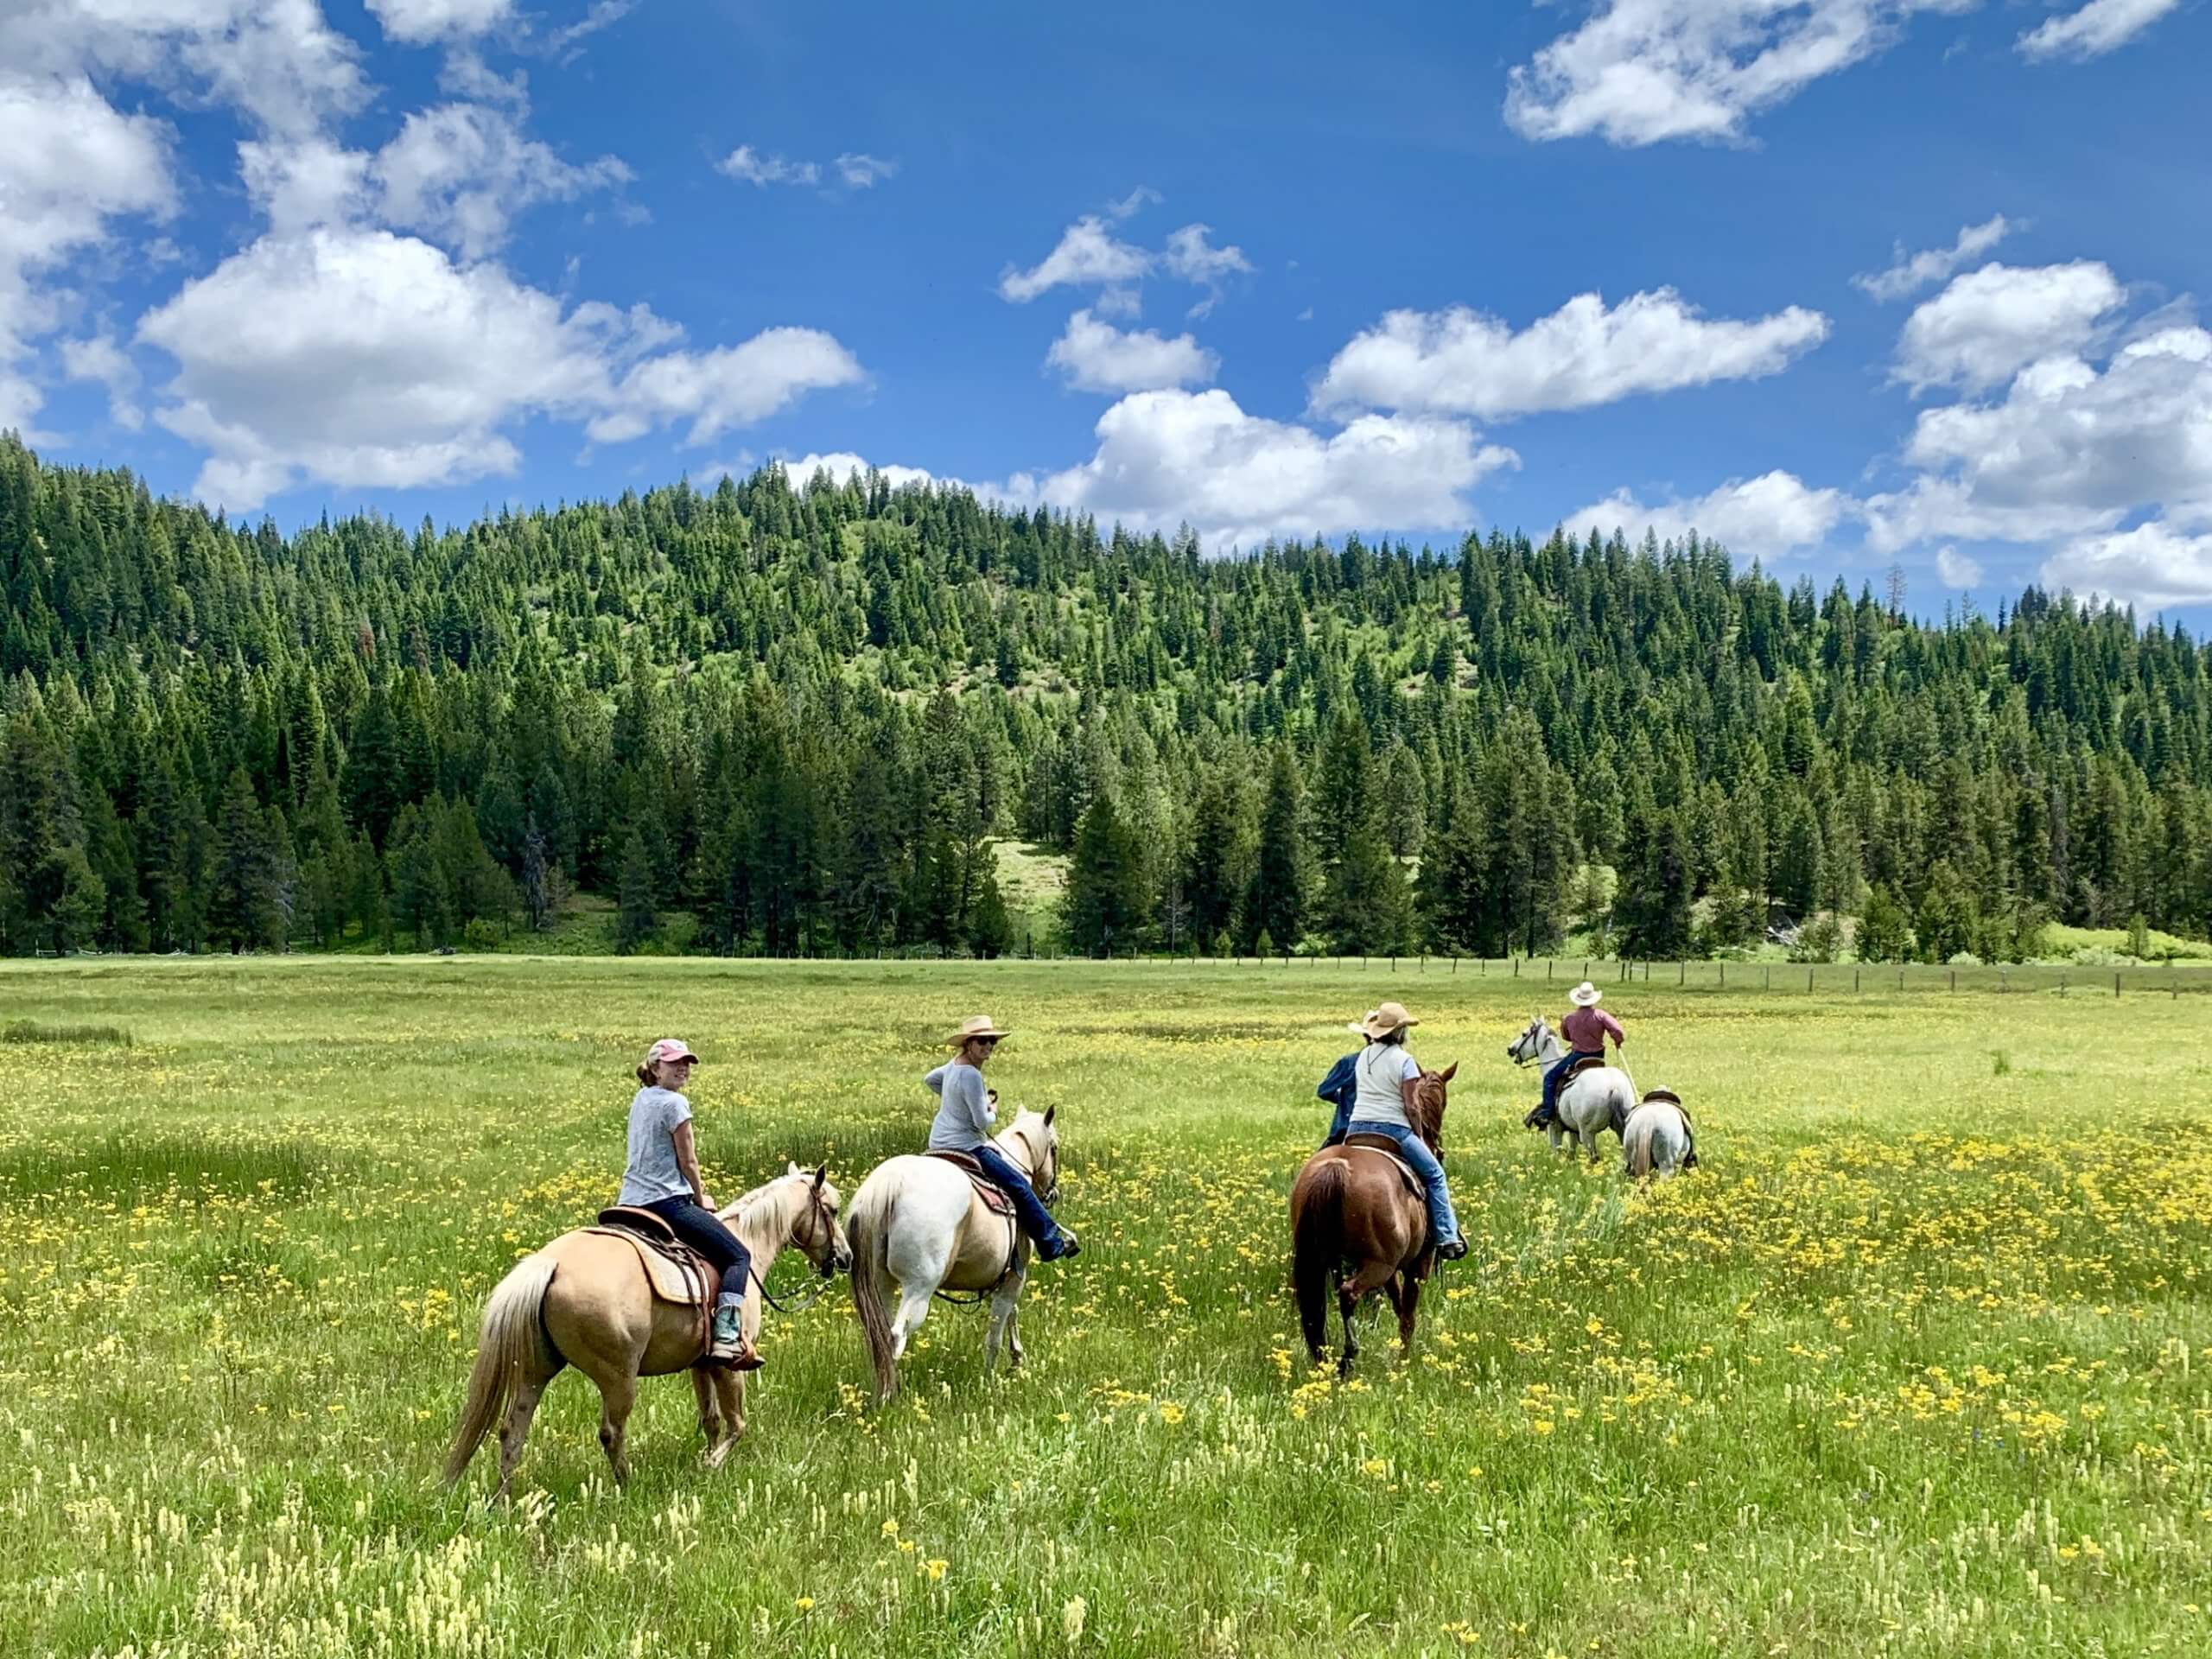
(69, 164)
(1461, 361)
(2069, 451)
(418, 20)
(1095, 356)
(1640, 72)
(1188, 254)
(1988, 325)
(1761, 517)
(99, 358)
(2151, 566)
(844, 464)
(860, 171)
(277, 61)
(1129, 205)
(747, 166)
(1087, 254)
(1910, 272)
(604, 13)
(1955, 570)
(364, 358)
(301, 184)
(458, 173)
(2097, 28)
(1168, 458)
(731, 385)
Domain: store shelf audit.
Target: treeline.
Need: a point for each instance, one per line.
(800, 719)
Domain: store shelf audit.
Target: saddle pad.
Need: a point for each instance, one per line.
(993, 1196)
(686, 1282)
(1388, 1148)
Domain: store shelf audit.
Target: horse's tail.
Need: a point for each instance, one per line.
(1638, 1150)
(513, 1338)
(868, 1231)
(1316, 1246)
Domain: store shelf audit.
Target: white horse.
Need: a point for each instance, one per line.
(918, 1220)
(1657, 1139)
(1598, 1099)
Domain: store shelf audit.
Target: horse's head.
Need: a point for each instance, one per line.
(1039, 1143)
(814, 1227)
(1429, 1097)
(1529, 1044)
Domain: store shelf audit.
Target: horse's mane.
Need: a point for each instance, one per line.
(760, 1194)
(1428, 1095)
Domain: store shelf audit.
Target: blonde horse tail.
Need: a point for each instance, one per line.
(511, 1339)
(1639, 1152)
(867, 1231)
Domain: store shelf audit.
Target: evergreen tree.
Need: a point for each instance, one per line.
(1275, 902)
(1884, 929)
(1105, 891)
(636, 920)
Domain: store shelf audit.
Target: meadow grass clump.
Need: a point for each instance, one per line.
(30, 1031)
(1911, 1364)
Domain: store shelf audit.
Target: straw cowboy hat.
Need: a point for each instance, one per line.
(1391, 1016)
(1358, 1027)
(979, 1025)
(1585, 996)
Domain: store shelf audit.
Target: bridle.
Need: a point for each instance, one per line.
(1532, 1039)
(818, 1213)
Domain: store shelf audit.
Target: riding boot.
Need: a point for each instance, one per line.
(729, 1346)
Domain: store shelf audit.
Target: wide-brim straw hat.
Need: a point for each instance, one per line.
(1389, 1017)
(1358, 1026)
(1585, 996)
(979, 1025)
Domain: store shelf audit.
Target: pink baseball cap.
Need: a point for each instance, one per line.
(668, 1049)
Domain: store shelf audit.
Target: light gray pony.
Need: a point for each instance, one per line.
(1598, 1099)
(1657, 1139)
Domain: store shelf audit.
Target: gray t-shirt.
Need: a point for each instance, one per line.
(655, 1116)
(963, 1118)
(1381, 1069)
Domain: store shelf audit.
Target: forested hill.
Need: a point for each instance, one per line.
(763, 718)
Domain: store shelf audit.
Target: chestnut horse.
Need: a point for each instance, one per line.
(1357, 1226)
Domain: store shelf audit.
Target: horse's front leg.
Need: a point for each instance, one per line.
(711, 1415)
(1005, 1302)
(1405, 1296)
(1558, 1139)
(729, 1394)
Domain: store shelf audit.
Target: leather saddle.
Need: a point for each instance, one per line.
(993, 1196)
(1389, 1148)
(678, 1273)
(1587, 1063)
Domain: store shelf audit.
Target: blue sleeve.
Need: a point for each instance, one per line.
(935, 1081)
(1343, 1076)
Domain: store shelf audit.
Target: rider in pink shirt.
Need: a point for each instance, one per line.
(1586, 1030)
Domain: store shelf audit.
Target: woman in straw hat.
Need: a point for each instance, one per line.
(1585, 1028)
(663, 1176)
(1386, 1077)
(964, 1112)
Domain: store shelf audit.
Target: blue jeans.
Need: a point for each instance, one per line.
(706, 1233)
(1549, 1110)
(1415, 1150)
(1029, 1209)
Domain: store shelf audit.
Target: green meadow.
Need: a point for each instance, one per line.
(1916, 1363)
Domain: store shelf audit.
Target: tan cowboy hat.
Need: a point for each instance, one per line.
(977, 1025)
(1585, 996)
(1389, 1017)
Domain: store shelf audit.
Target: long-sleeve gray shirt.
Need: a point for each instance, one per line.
(963, 1118)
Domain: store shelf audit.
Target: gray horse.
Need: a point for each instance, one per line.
(1657, 1139)
(1597, 1100)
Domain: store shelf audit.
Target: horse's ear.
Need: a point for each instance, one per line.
(1448, 1072)
(790, 1168)
(1049, 1111)
(821, 1174)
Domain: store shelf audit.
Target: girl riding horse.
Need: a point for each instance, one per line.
(964, 1124)
(664, 1177)
(1385, 1078)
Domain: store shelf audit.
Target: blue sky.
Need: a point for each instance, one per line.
(1842, 282)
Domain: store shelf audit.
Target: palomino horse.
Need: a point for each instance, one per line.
(1593, 1100)
(1358, 1225)
(584, 1301)
(1657, 1139)
(919, 1222)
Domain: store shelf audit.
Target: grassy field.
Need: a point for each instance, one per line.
(1916, 1363)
